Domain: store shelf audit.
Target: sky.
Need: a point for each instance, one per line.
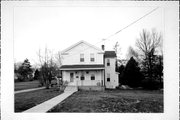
(60, 27)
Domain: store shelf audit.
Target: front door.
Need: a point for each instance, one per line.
(71, 77)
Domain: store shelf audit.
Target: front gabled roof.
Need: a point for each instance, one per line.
(80, 42)
(109, 54)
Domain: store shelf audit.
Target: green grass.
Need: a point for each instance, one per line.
(26, 100)
(26, 85)
(121, 101)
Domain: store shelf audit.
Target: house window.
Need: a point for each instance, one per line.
(81, 57)
(92, 77)
(108, 77)
(108, 62)
(92, 57)
(82, 77)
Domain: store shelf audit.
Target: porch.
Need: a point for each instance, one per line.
(84, 77)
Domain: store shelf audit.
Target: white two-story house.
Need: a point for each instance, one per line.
(88, 67)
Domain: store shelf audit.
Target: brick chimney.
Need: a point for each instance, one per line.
(103, 47)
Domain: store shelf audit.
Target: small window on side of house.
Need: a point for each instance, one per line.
(108, 62)
(108, 77)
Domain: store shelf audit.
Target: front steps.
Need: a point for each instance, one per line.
(70, 88)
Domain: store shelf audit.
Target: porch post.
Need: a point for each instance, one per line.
(104, 77)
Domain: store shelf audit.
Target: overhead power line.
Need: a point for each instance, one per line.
(131, 23)
(120, 30)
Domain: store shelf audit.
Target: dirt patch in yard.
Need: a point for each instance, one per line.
(128, 105)
(126, 101)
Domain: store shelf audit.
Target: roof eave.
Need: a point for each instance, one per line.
(102, 68)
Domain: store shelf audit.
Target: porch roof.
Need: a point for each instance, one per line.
(82, 67)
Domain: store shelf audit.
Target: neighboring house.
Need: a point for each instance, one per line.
(83, 65)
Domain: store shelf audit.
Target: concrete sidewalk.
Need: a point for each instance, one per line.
(28, 90)
(44, 107)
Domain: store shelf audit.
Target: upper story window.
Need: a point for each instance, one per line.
(81, 57)
(108, 62)
(108, 77)
(92, 57)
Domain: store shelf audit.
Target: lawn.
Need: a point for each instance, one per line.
(123, 101)
(26, 85)
(26, 100)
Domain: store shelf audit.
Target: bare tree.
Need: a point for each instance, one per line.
(148, 41)
(47, 66)
(148, 44)
(117, 49)
(59, 58)
(132, 53)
